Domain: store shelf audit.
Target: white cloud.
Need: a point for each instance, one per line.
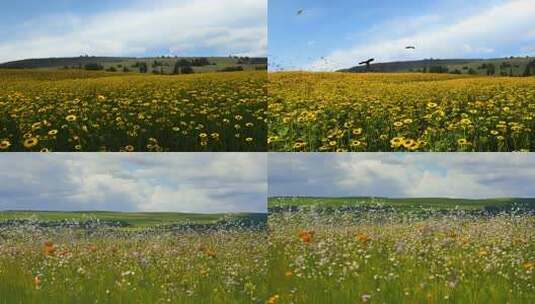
(182, 182)
(222, 26)
(461, 175)
(498, 26)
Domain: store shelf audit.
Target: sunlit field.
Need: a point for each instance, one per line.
(380, 254)
(400, 112)
(97, 111)
(88, 261)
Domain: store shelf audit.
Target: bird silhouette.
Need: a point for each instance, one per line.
(410, 47)
(300, 12)
(367, 63)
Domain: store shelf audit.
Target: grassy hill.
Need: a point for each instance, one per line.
(403, 203)
(511, 66)
(137, 219)
(131, 64)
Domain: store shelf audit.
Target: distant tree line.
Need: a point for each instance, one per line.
(505, 68)
(181, 66)
(530, 69)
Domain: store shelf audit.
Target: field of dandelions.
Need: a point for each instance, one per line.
(102, 264)
(97, 111)
(386, 256)
(400, 112)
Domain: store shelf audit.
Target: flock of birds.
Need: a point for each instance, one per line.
(301, 12)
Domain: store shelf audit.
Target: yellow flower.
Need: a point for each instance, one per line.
(4, 144)
(355, 143)
(272, 139)
(30, 142)
(299, 145)
(357, 131)
(462, 141)
(466, 121)
(273, 299)
(408, 143)
(396, 142)
(529, 265)
(71, 117)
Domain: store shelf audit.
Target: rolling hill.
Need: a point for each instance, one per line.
(275, 203)
(160, 65)
(131, 219)
(511, 66)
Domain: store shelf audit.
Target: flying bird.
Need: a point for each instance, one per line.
(367, 62)
(410, 47)
(300, 12)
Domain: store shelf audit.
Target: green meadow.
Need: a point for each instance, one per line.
(371, 250)
(197, 258)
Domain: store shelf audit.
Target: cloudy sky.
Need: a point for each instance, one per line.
(345, 32)
(56, 28)
(180, 182)
(455, 175)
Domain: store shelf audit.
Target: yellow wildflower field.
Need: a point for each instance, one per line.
(96, 111)
(400, 112)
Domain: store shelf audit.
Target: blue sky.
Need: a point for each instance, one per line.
(344, 32)
(179, 182)
(456, 175)
(33, 29)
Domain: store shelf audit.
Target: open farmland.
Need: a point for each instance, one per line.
(400, 112)
(67, 110)
(82, 257)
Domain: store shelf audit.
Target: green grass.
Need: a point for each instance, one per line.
(111, 267)
(138, 219)
(407, 203)
(400, 258)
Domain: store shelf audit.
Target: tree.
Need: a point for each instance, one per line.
(182, 63)
(143, 67)
(200, 61)
(438, 69)
(530, 69)
(491, 69)
(93, 66)
(232, 69)
(157, 64)
(186, 70)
